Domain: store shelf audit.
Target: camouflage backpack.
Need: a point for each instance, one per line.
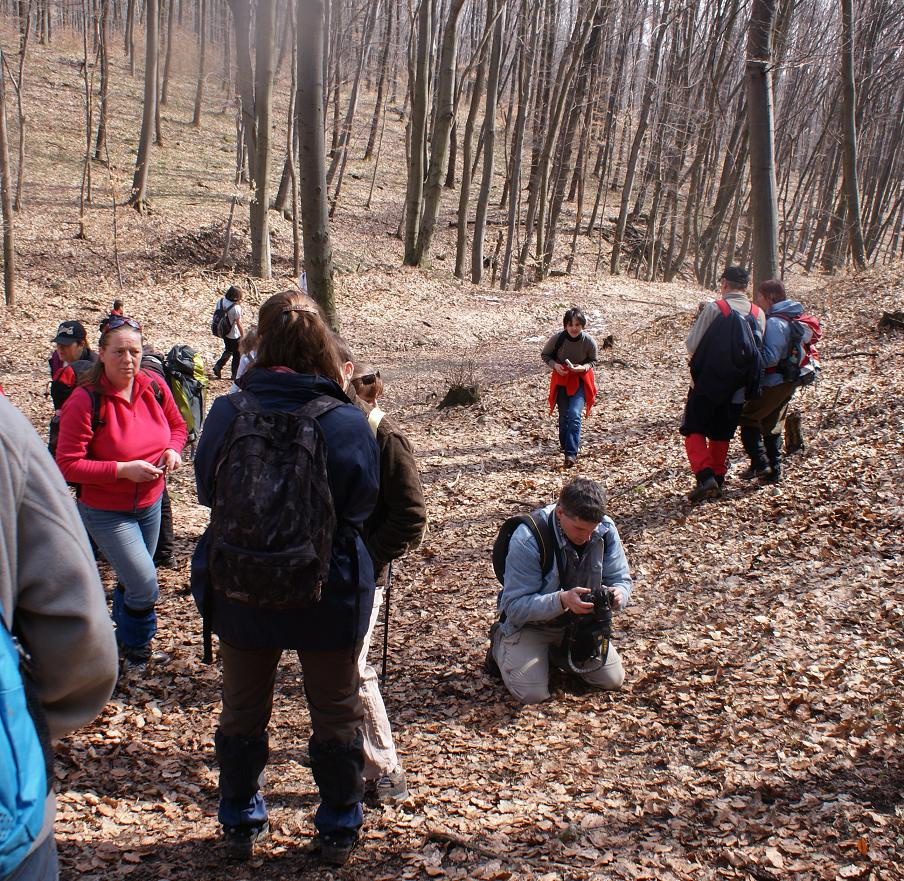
(272, 519)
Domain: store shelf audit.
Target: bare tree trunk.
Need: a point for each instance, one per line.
(420, 105)
(849, 135)
(263, 107)
(85, 193)
(380, 104)
(202, 57)
(241, 19)
(640, 131)
(489, 144)
(340, 156)
(129, 36)
(439, 143)
(464, 192)
(318, 250)
(138, 199)
(101, 142)
(19, 86)
(761, 137)
(526, 75)
(9, 251)
(164, 89)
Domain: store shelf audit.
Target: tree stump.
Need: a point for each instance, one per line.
(460, 396)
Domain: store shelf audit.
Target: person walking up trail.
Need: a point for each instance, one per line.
(570, 355)
(229, 304)
(726, 366)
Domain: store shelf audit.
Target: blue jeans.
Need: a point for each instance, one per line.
(571, 408)
(127, 540)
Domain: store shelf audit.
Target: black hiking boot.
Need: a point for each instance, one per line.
(238, 841)
(706, 488)
(336, 847)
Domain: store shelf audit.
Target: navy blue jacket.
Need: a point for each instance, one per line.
(353, 471)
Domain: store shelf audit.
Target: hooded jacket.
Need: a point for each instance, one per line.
(136, 429)
(353, 472)
(49, 587)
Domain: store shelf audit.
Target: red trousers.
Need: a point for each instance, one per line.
(703, 452)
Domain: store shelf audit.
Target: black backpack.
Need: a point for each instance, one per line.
(272, 519)
(220, 322)
(540, 525)
(729, 356)
(59, 394)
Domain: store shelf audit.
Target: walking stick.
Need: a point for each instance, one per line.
(388, 590)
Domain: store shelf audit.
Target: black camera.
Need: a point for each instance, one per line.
(588, 635)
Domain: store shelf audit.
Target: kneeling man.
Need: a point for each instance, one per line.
(536, 608)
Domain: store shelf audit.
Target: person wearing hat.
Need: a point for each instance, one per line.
(72, 357)
(708, 425)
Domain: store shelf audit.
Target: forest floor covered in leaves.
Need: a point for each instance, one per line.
(758, 734)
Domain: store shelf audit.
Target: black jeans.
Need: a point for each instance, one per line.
(230, 349)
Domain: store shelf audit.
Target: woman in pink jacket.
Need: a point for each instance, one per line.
(121, 433)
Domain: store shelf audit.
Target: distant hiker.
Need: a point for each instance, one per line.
(75, 358)
(570, 355)
(248, 350)
(790, 360)
(396, 525)
(117, 310)
(290, 470)
(560, 574)
(227, 324)
(120, 435)
(726, 367)
(52, 601)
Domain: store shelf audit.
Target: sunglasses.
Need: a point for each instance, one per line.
(368, 378)
(118, 321)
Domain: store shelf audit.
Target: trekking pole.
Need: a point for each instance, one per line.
(388, 590)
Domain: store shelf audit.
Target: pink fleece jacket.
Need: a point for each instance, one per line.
(136, 429)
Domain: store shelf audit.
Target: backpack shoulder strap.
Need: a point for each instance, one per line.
(540, 524)
(755, 311)
(724, 308)
(561, 339)
(320, 405)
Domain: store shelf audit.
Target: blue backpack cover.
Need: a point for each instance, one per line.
(23, 774)
(729, 356)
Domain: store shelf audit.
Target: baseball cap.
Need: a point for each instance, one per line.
(69, 332)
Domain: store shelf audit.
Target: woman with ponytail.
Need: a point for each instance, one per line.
(296, 365)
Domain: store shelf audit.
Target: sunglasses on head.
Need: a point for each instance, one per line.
(369, 378)
(119, 321)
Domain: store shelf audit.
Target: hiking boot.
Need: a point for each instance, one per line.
(770, 476)
(720, 479)
(489, 662)
(570, 461)
(167, 562)
(491, 668)
(336, 847)
(138, 658)
(705, 489)
(238, 841)
(390, 787)
(749, 473)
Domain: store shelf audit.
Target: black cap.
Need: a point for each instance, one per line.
(736, 275)
(70, 332)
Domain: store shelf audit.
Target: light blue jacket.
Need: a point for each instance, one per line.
(528, 597)
(777, 338)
